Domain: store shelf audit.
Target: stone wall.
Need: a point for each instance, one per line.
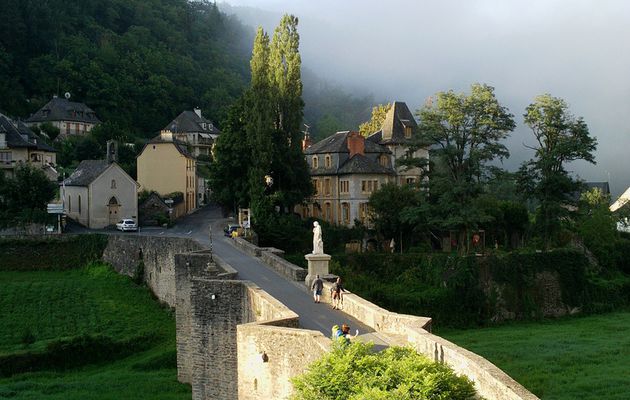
(124, 253)
(189, 268)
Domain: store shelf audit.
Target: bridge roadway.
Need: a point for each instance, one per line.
(316, 316)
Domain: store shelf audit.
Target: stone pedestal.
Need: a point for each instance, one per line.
(317, 265)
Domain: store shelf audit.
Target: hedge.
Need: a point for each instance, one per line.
(60, 253)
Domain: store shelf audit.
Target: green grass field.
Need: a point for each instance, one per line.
(574, 358)
(41, 308)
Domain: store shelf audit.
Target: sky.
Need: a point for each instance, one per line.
(408, 50)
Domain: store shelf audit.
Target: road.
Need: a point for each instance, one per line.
(316, 316)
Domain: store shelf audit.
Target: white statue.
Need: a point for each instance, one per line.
(318, 244)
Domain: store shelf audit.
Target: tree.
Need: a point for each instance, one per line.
(376, 121)
(596, 226)
(357, 372)
(560, 139)
(464, 133)
(232, 155)
(24, 196)
(389, 204)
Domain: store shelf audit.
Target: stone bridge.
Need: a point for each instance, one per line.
(238, 339)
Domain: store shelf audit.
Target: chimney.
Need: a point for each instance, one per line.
(356, 143)
(112, 151)
(197, 111)
(306, 141)
(166, 135)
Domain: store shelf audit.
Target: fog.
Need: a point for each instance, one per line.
(408, 50)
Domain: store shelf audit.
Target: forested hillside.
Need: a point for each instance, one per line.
(137, 63)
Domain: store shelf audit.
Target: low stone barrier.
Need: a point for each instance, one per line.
(272, 257)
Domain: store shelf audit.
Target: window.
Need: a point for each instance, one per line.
(316, 186)
(363, 212)
(383, 160)
(344, 187)
(345, 213)
(6, 156)
(69, 204)
(328, 161)
(369, 186)
(328, 212)
(67, 128)
(113, 183)
(79, 204)
(327, 187)
(315, 162)
(408, 132)
(410, 181)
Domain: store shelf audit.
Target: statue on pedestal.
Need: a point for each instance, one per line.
(318, 244)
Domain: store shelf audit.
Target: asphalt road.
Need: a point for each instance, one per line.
(316, 316)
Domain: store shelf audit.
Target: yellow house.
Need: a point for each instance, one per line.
(165, 166)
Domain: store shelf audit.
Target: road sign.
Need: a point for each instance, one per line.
(54, 208)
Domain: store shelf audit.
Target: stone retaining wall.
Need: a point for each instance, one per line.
(272, 257)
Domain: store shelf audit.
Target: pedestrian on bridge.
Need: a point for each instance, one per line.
(336, 294)
(317, 287)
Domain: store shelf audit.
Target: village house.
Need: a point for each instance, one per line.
(99, 193)
(19, 145)
(196, 131)
(346, 168)
(71, 118)
(166, 167)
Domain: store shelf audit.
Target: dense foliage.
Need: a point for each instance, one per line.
(137, 63)
(560, 139)
(24, 196)
(262, 135)
(55, 253)
(355, 372)
(375, 123)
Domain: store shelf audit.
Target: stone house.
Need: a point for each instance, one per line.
(99, 193)
(166, 166)
(70, 117)
(196, 131)
(347, 168)
(18, 145)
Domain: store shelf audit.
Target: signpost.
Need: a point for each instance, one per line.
(56, 208)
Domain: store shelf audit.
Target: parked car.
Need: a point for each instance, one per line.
(127, 224)
(229, 229)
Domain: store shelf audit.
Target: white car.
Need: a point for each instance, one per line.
(127, 225)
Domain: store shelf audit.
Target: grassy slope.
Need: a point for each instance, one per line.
(94, 300)
(574, 358)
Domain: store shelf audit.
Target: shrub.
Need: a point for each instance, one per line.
(356, 372)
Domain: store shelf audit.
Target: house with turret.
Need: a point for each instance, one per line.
(346, 168)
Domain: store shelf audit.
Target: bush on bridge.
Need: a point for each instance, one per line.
(355, 372)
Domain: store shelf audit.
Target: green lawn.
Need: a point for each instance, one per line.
(573, 358)
(41, 308)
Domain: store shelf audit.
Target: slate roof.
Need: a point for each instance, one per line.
(357, 164)
(360, 164)
(86, 172)
(189, 122)
(180, 146)
(19, 135)
(61, 109)
(393, 129)
(338, 143)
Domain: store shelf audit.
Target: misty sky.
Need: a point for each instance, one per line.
(408, 50)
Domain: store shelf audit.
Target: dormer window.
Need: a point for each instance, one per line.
(315, 162)
(203, 126)
(328, 161)
(383, 160)
(407, 132)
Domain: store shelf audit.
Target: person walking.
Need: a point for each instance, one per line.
(336, 293)
(317, 287)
